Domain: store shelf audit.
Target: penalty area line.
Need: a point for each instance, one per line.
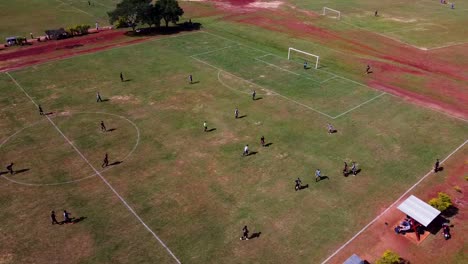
(392, 205)
(368, 101)
(99, 174)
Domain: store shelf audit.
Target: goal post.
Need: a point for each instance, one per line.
(330, 10)
(315, 57)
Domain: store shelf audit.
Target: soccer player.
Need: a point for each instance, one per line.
(53, 218)
(298, 184)
(345, 169)
(305, 65)
(103, 127)
(236, 113)
(121, 77)
(246, 150)
(331, 129)
(105, 163)
(253, 95)
(190, 78)
(245, 233)
(205, 126)
(376, 13)
(436, 166)
(10, 168)
(41, 112)
(318, 175)
(262, 141)
(368, 69)
(354, 169)
(66, 216)
(452, 6)
(98, 97)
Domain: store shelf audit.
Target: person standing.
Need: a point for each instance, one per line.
(97, 26)
(103, 127)
(205, 126)
(10, 168)
(121, 77)
(190, 78)
(305, 65)
(318, 175)
(236, 113)
(345, 169)
(330, 128)
(253, 95)
(262, 141)
(354, 169)
(66, 217)
(298, 184)
(41, 112)
(98, 97)
(368, 69)
(246, 150)
(53, 218)
(105, 162)
(437, 166)
(245, 233)
(376, 13)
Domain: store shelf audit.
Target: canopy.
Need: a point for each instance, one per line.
(419, 210)
(354, 259)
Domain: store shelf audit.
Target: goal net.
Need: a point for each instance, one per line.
(295, 53)
(328, 11)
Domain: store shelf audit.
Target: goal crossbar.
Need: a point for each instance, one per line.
(305, 53)
(325, 9)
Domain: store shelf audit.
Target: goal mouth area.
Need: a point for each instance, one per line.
(303, 57)
(330, 12)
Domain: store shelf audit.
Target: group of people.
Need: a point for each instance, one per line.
(66, 218)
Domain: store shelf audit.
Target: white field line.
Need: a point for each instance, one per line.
(236, 90)
(415, 27)
(261, 87)
(326, 80)
(368, 101)
(278, 67)
(99, 174)
(392, 205)
(212, 51)
(82, 11)
(99, 51)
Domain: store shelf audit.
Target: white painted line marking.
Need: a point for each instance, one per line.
(326, 80)
(368, 101)
(392, 205)
(99, 174)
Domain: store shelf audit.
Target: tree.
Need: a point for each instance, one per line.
(442, 202)
(170, 11)
(130, 11)
(152, 16)
(389, 257)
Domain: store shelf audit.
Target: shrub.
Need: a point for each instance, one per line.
(121, 23)
(389, 257)
(442, 202)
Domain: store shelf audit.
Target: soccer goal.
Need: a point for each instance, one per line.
(303, 55)
(327, 10)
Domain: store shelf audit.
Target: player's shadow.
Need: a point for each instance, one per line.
(212, 129)
(255, 235)
(115, 163)
(242, 116)
(258, 98)
(302, 187)
(333, 131)
(105, 100)
(439, 169)
(79, 219)
(111, 129)
(49, 113)
(252, 153)
(20, 171)
(357, 172)
(127, 80)
(195, 82)
(3, 172)
(268, 144)
(321, 178)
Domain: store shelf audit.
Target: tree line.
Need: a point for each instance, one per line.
(130, 13)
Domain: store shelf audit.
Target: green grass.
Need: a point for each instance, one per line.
(422, 23)
(21, 17)
(193, 188)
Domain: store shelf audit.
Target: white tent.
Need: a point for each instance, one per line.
(419, 210)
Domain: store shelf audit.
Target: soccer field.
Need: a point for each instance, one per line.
(191, 189)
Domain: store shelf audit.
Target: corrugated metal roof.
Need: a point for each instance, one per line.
(419, 210)
(354, 259)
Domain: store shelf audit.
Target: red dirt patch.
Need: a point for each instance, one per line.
(58, 49)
